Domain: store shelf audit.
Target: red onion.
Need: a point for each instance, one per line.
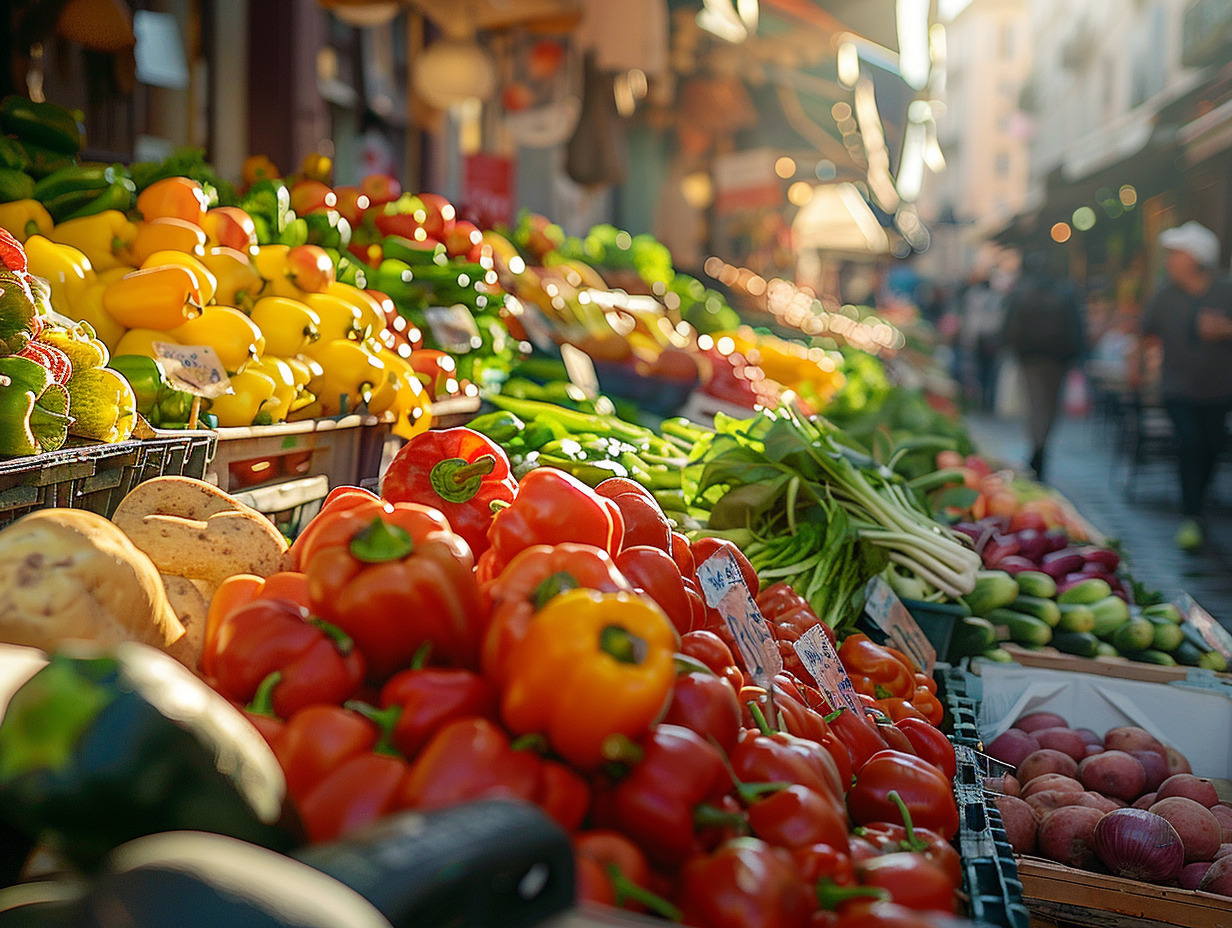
(1139, 845)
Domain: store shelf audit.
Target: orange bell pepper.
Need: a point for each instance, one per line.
(160, 297)
(240, 589)
(178, 197)
(166, 233)
(875, 670)
(592, 667)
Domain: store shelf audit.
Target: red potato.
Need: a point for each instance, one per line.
(1218, 878)
(1093, 749)
(1049, 799)
(1061, 739)
(1145, 801)
(1033, 721)
(1191, 874)
(1222, 851)
(1199, 789)
(1045, 760)
(1064, 835)
(1224, 815)
(1155, 765)
(1099, 801)
(1194, 822)
(1113, 773)
(1020, 823)
(1052, 781)
(1007, 785)
(1090, 736)
(1013, 746)
(1129, 738)
(1177, 762)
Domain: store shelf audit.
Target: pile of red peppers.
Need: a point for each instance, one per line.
(466, 636)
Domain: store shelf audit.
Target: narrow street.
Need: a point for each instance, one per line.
(1138, 508)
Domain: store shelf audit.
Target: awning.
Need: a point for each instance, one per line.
(838, 219)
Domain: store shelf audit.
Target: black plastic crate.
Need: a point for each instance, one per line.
(960, 696)
(97, 476)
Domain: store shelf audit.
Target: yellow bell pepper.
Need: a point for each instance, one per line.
(371, 316)
(141, 341)
(285, 389)
(251, 402)
(412, 406)
(88, 307)
(79, 342)
(235, 338)
(64, 267)
(289, 325)
(103, 405)
(166, 234)
(102, 237)
(303, 369)
(339, 318)
(154, 297)
(349, 375)
(23, 218)
(238, 283)
(206, 281)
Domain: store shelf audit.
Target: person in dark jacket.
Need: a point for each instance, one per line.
(1045, 332)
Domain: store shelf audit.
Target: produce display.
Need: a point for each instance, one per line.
(1122, 803)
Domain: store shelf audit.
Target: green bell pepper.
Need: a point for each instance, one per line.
(101, 746)
(33, 409)
(17, 313)
(157, 400)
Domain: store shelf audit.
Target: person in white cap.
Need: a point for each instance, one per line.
(1191, 316)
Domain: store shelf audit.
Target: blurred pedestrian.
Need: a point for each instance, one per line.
(1046, 333)
(980, 336)
(1191, 317)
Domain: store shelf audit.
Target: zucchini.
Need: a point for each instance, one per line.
(998, 655)
(994, 589)
(1110, 613)
(1023, 629)
(1041, 608)
(1188, 653)
(1168, 637)
(1086, 591)
(1107, 650)
(972, 635)
(1151, 656)
(1036, 583)
(45, 124)
(1137, 634)
(1075, 617)
(1168, 611)
(1080, 644)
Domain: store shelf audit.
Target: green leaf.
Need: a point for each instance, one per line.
(746, 505)
(955, 498)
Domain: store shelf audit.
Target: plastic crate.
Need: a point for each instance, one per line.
(97, 476)
(957, 690)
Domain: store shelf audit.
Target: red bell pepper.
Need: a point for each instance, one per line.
(653, 571)
(361, 790)
(745, 883)
(393, 577)
(550, 507)
(458, 471)
(563, 793)
(790, 616)
(910, 880)
(682, 554)
(318, 739)
(711, 650)
(931, 744)
(858, 734)
(644, 520)
(470, 759)
(704, 702)
(425, 698)
(616, 539)
(895, 708)
(532, 578)
(314, 660)
(655, 803)
(612, 870)
(891, 838)
(12, 254)
(885, 914)
(875, 670)
(792, 717)
(797, 816)
(704, 548)
(922, 787)
(697, 605)
(825, 861)
(340, 499)
(784, 758)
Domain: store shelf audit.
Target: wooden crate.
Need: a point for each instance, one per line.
(1120, 667)
(1063, 896)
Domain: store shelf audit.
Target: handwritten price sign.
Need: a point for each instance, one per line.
(724, 589)
(821, 661)
(194, 369)
(888, 613)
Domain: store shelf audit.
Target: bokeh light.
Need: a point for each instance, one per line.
(1061, 232)
(785, 167)
(1128, 196)
(800, 193)
(1083, 218)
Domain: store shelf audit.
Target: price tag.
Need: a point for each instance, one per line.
(1211, 631)
(453, 328)
(194, 369)
(885, 610)
(821, 661)
(581, 370)
(724, 589)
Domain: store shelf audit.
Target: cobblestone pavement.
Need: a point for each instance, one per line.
(1139, 506)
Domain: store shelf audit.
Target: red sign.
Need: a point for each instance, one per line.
(488, 188)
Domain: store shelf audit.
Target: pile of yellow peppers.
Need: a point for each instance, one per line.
(296, 343)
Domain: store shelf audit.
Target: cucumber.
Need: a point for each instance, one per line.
(998, 655)
(1209, 657)
(1075, 617)
(1036, 583)
(1041, 608)
(1086, 591)
(1137, 634)
(1168, 637)
(1110, 613)
(1151, 656)
(1107, 650)
(972, 635)
(1167, 611)
(1081, 644)
(994, 589)
(1188, 653)
(1023, 629)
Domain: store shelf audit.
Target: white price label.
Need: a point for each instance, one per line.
(195, 369)
(887, 612)
(820, 659)
(453, 328)
(581, 370)
(723, 588)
